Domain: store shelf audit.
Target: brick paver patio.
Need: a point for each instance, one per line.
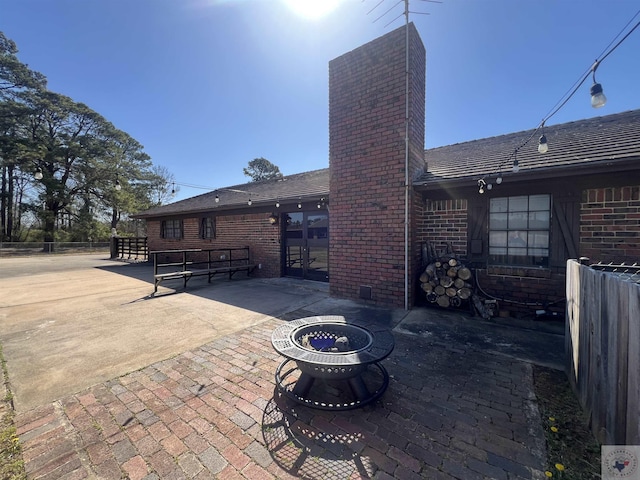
(211, 412)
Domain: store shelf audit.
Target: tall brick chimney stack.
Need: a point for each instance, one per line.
(367, 158)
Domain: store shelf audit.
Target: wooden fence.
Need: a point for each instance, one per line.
(603, 349)
(130, 248)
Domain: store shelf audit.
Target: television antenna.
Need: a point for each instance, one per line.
(389, 11)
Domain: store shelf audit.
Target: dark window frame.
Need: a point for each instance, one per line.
(172, 229)
(208, 228)
(518, 235)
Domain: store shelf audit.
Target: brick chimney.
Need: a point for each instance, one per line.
(367, 158)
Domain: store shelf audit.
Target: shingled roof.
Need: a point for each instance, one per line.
(597, 143)
(603, 144)
(309, 186)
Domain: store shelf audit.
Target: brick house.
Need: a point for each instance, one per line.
(580, 199)
(361, 223)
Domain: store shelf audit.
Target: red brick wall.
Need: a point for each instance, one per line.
(522, 291)
(367, 165)
(444, 222)
(609, 232)
(610, 224)
(253, 230)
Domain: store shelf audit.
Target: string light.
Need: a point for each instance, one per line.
(516, 166)
(38, 175)
(598, 99)
(543, 147)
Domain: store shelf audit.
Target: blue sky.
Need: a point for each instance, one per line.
(208, 85)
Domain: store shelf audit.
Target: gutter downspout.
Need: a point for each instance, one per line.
(406, 162)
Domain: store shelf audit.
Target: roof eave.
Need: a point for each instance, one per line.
(257, 206)
(545, 173)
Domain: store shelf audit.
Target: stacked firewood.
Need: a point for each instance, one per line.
(446, 282)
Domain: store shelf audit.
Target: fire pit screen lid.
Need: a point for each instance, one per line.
(331, 337)
(331, 340)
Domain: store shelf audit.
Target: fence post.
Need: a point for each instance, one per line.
(113, 247)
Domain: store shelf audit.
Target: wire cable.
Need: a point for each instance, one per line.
(608, 50)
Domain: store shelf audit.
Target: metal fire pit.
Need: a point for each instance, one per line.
(327, 352)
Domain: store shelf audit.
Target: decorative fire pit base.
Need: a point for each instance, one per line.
(331, 364)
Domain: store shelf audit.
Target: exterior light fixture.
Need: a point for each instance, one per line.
(481, 185)
(299, 204)
(516, 166)
(217, 199)
(277, 203)
(273, 219)
(499, 179)
(38, 174)
(118, 187)
(543, 147)
(597, 95)
(249, 202)
(489, 186)
(173, 189)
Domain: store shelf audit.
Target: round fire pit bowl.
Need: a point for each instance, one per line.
(328, 352)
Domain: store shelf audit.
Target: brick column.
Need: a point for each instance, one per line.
(367, 111)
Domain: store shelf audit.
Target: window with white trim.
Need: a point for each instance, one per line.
(519, 230)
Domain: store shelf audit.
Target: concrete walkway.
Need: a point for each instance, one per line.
(110, 383)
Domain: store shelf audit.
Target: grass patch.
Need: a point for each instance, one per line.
(11, 463)
(574, 453)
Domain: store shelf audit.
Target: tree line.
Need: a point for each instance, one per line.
(67, 174)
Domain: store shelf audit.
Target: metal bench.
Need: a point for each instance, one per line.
(200, 262)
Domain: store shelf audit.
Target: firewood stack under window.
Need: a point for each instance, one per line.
(446, 282)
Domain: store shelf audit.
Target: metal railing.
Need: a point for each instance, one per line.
(623, 271)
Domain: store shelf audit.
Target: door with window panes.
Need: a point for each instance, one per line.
(306, 245)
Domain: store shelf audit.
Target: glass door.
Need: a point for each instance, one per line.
(307, 245)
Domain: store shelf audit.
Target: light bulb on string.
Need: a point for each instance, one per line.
(598, 99)
(543, 147)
